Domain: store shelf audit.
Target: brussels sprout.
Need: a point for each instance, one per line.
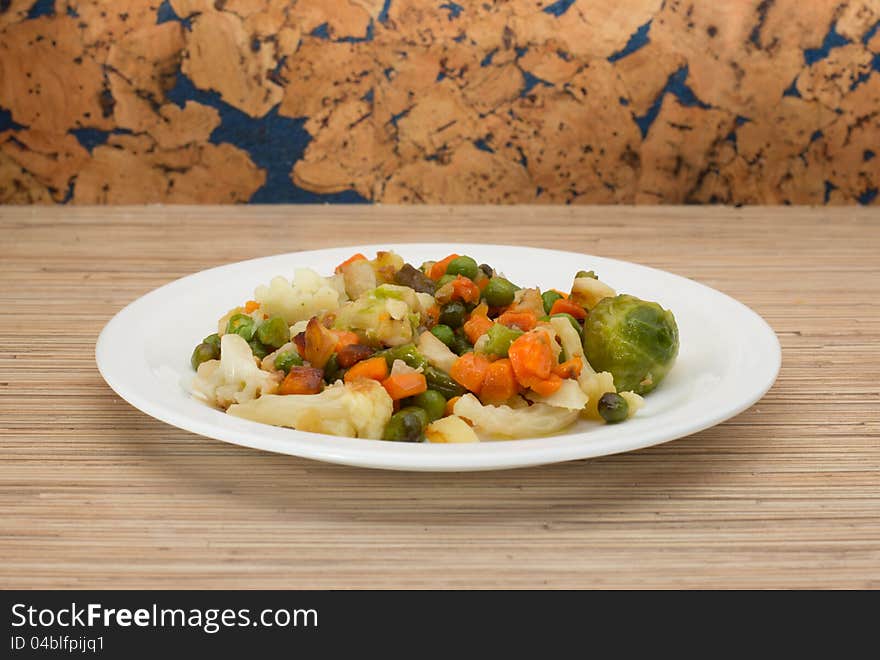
(635, 340)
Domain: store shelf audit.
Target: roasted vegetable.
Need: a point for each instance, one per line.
(415, 279)
(235, 377)
(636, 341)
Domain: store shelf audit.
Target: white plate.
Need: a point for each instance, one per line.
(729, 358)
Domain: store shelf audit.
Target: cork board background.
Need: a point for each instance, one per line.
(411, 101)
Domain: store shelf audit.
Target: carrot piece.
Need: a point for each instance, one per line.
(250, 306)
(469, 371)
(351, 259)
(345, 338)
(401, 386)
(482, 283)
(570, 368)
(302, 380)
(319, 343)
(499, 384)
(450, 405)
(477, 326)
(374, 368)
(531, 358)
(438, 270)
(563, 306)
(433, 313)
(464, 289)
(525, 321)
(548, 386)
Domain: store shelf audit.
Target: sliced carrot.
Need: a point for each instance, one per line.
(563, 306)
(570, 368)
(469, 371)
(499, 384)
(350, 260)
(250, 306)
(450, 405)
(525, 321)
(477, 326)
(438, 270)
(401, 386)
(464, 289)
(302, 380)
(548, 386)
(531, 358)
(345, 338)
(373, 368)
(482, 282)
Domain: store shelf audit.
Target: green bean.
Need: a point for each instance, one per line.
(463, 266)
(613, 408)
(442, 382)
(444, 333)
(500, 339)
(408, 353)
(242, 325)
(332, 370)
(574, 322)
(550, 297)
(274, 332)
(432, 402)
(406, 425)
(499, 292)
(460, 345)
(453, 314)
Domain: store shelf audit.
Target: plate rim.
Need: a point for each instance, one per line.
(425, 456)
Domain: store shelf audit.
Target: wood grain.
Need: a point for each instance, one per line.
(95, 494)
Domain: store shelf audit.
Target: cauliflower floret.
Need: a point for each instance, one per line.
(308, 295)
(504, 421)
(593, 384)
(569, 396)
(235, 377)
(360, 409)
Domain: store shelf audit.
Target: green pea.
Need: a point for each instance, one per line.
(213, 340)
(442, 382)
(259, 349)
(432, 402)
(406, 425)
(202, 353)
(550, 297)
(499, 292)
(500, 339)
(613, 408)
(284, 361)
(574, 322)
(444, 333)
(463, 266)
(445, 279)
(242, 325)
(274, 332)
(453, 314)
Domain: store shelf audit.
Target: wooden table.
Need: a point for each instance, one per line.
(94, 493)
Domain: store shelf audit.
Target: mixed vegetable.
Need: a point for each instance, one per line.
(450, 351)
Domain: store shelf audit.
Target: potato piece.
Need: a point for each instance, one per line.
(587, 292)
(436, 352)
(450, 429)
